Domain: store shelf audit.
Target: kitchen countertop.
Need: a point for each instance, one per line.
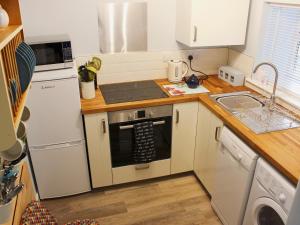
(97, 105)
(280, 148)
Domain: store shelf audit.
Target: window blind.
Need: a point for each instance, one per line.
(280, 45)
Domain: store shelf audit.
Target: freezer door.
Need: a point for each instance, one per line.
(55, 112)
(61, 170)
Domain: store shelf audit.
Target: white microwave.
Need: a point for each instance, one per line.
(51, 52)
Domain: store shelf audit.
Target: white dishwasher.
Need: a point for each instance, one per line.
(235, 167)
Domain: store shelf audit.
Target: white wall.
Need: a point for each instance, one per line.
(79, 19)
(244, 57)
(255, 26)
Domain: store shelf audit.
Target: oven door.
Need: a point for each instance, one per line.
(122, 140)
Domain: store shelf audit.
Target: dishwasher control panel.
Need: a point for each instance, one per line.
(238, 149)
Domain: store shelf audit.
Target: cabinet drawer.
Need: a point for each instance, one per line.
(130, 173)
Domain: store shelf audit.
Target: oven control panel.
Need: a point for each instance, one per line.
(139, 114)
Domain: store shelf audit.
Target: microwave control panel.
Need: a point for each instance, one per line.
(67, 51)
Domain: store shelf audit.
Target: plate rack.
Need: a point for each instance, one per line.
(11, 69)
(11, 108)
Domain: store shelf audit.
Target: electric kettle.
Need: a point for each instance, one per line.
(175, 70)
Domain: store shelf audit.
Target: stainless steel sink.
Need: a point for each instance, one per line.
(235, 102)
(256, 112)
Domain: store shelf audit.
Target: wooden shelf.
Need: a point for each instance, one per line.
(17, 118)
(8, 33)
(10, 38)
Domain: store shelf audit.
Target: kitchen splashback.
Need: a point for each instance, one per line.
(122, 26)
(134, 66)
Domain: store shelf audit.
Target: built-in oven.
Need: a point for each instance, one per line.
(122, 138)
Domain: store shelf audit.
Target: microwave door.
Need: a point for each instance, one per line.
(50, 53)
(48, 56)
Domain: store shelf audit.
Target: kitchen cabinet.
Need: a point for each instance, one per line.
(183, 136)
(97, 135)
(202, 23)
(208, 131)
(126, 174)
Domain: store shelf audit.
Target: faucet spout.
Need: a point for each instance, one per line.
(276, 77)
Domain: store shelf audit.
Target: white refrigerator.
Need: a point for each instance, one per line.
(55, 134)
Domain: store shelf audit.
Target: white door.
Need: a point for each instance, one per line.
(227, 24)
(203, 23)
(208, 130)
(55, 112)
(231, 185)
(97, 134)
(61, 170)
(183, 136)
(202, 141)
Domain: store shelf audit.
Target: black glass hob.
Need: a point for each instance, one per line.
(131, 91)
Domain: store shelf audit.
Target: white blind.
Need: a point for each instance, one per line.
(280, 45)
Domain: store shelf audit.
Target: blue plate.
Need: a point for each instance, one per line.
(27, 58)
(14, 90)
(26, 49)
(24, 71)
(29, 52)
(11, 96)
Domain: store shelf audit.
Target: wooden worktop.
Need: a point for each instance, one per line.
(96, 105)
(280, 148)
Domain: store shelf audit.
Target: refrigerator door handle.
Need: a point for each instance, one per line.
(55, 146)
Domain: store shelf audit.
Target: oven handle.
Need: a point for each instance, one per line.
(131, 126)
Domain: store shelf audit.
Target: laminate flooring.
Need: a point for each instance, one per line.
(176, 200)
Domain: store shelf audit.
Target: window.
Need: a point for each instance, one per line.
(280, 45)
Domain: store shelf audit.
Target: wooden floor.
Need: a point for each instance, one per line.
(173, 201)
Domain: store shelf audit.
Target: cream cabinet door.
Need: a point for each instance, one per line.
(183, 136)
(203, 23)
(207, 141)
(202, 139)
(97, 134)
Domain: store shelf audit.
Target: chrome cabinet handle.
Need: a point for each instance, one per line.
(217, 134)
(131, 126)
(195, 33)
(103, 126)
(177, 116)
